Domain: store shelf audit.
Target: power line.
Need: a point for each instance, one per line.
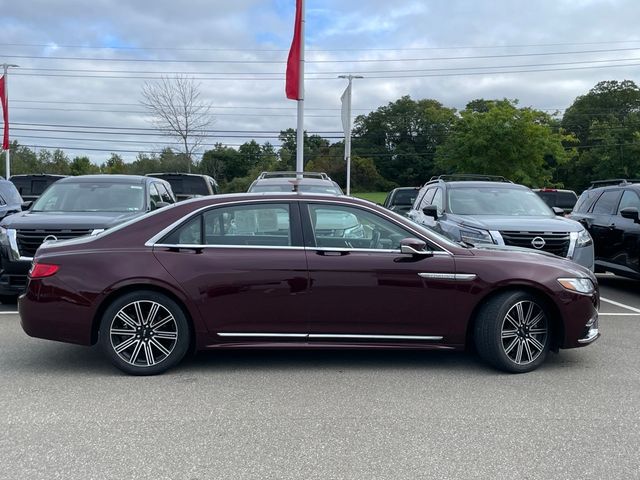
(361, 60)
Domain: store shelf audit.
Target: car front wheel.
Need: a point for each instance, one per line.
(144, 333)
(513, 332)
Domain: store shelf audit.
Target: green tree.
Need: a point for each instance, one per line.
(83, 166)
(606, 122)
(403, 138)
(518, 143)
(114, 164)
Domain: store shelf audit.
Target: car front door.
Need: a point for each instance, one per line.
(362, 288)
(245, 268)
(601, 224)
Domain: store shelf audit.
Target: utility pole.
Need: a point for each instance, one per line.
(5, 68)
(346, 125)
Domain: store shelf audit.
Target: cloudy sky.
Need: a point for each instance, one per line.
(83, 63)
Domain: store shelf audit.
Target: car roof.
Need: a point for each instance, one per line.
(505, 185)
(176, 174)
(23, 175)
(106, 178)
(291, 180)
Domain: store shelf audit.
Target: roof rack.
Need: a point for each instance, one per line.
(287, 174)
(469, 177)
(614, 181)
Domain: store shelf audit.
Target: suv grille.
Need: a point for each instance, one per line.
(554, 242)
(30, 239)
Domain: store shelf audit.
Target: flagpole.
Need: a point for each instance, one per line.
(346, 124)
(300, 126)
(7, 156)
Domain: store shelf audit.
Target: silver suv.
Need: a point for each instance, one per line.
(311, 182)
(491, 211)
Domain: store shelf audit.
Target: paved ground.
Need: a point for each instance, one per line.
(65, 413)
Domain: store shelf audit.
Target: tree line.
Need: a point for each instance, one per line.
(407, 141)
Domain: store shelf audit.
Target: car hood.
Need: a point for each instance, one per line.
(78, 220)
(528, 223)
(571, 268)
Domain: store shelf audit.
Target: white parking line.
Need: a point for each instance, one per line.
(618, 314)
(633, 309)
(7, 313)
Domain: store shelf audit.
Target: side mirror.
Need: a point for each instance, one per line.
(413, 246)
(558, 210)
(431, 211)
(26, 205)
(630, 213)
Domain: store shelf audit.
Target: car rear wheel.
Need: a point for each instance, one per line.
(144, 333)
(513, 332)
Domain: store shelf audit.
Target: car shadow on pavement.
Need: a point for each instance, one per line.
(619, 283)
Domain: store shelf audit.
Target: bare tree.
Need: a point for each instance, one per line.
(177, 110)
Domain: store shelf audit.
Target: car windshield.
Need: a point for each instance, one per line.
(511, 202)
(91, 197)
(288, 187)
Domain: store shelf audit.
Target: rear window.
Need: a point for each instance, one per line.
(559, 199)
(186, 185)
(288, 187)
(405, 197)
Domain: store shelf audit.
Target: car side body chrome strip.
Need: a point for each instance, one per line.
(282, 335)
(374, 337)
(345, 336)
(456, 277)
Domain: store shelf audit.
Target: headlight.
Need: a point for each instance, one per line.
(584, 239)
(579, 285)
(475, 236)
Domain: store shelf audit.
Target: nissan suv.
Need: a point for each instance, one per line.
(69, 208)
(609, 211)
(485, 210)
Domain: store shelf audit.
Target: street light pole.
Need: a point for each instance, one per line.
(346, 125)
(5, 68)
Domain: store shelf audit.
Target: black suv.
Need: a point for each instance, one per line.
(30, 186)
(554, 197)
(609, 210)
(73, 207)
(188, 185)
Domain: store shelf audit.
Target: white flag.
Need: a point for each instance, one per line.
(346, 110)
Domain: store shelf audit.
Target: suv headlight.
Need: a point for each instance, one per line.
(579, 285)
(584, 239)
(475, 236)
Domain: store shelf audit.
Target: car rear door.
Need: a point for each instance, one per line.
(363, 289)
(244, 267)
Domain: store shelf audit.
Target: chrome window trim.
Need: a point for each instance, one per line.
(330, 335)
(152, 241)
(198, 246)
(456, 277)
(364, 250)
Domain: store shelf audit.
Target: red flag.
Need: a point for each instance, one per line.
(5, 115)
(293, 62)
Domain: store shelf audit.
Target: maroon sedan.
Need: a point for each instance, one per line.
(293, 270)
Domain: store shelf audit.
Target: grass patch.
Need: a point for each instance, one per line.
(376, 197)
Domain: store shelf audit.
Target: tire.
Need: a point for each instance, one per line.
(144, 333)
(513, 332)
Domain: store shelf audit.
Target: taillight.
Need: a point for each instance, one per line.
(41, 270)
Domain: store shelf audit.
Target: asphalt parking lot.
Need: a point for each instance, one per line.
(66, 413)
